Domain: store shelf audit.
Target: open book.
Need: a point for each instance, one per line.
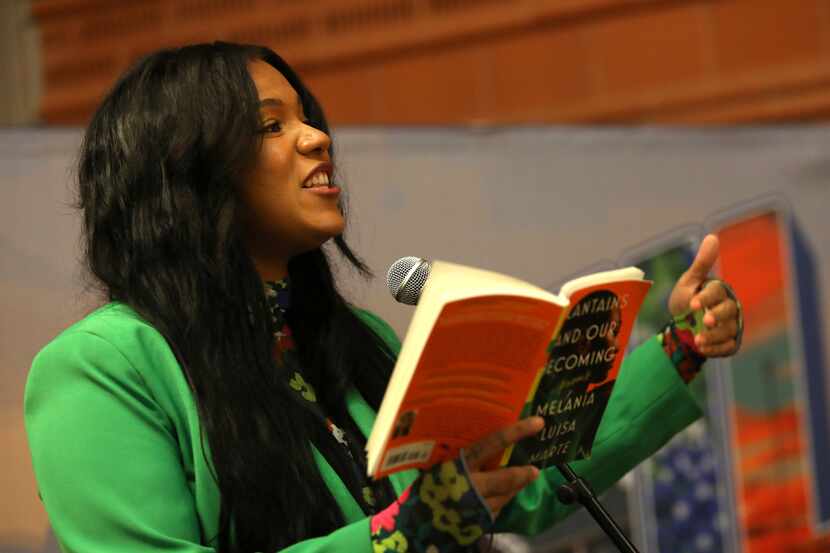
(484, 348)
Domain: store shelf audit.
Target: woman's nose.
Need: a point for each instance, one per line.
(313, 140)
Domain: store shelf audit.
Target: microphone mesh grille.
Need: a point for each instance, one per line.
(407, 292)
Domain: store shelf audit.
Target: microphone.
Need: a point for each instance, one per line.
(406, 279)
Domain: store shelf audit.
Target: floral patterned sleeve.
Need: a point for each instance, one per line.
(678, 340)
(440, 511)
(678, 337)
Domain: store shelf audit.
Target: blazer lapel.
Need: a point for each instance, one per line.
(351, 510)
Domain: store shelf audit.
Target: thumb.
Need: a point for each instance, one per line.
(705, 259)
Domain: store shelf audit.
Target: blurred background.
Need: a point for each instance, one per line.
(561, 136)
(450, 61)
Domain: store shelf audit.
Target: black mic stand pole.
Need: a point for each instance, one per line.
(577, 489)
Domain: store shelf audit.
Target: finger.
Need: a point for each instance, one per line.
(498, 487)
(505, 481)
(721, 313)
(711, 295)
(717, 335)
(496, 504)
(705, 259)
(720, 350)
(497, 442)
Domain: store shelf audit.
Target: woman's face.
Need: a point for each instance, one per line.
(290, 204)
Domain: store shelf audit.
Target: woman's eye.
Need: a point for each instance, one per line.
(274, 126)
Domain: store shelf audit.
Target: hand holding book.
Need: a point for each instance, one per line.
(497, 487)
(454, 503)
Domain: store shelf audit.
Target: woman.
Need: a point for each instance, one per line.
(221, 400)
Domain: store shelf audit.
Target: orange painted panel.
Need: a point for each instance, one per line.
(349, 95)
(449, 86)
(538, 68)
(649, 48)
(751, 257)
(754, 35)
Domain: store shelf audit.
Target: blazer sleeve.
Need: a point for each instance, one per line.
(649, 404)
(107, 460)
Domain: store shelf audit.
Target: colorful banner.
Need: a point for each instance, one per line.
(775, 484)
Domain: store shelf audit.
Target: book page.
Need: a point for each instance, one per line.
(588, 281)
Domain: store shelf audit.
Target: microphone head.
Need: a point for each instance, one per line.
(406, 278)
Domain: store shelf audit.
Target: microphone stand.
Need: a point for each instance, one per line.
(577, 489)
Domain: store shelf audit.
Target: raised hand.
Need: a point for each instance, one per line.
(696, 291)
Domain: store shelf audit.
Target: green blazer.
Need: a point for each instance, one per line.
(120, 464)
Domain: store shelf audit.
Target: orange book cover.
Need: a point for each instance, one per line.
(477, 348)
(480, 360)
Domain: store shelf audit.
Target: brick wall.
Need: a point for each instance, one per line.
(477, 61)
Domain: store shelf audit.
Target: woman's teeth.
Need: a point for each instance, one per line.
(319, 179)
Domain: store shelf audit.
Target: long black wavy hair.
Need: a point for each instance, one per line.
(158, 175)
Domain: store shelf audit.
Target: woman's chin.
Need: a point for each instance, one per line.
(327, 230)
(336, 228)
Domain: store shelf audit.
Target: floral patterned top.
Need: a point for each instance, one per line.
(278, 297)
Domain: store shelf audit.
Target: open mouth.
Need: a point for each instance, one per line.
(318, 179)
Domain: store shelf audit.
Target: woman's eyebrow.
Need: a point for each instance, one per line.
(266, 102)
(277, 103)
